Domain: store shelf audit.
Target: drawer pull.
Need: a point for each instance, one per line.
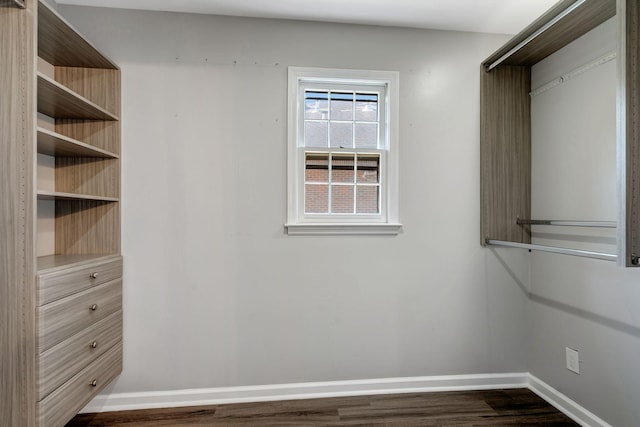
(94, 344)
(94, 383)
(94, 307)
(94, 275)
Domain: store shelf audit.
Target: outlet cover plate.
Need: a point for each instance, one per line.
(573, 360)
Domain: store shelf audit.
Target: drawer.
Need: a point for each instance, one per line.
(61, 283)
(63, 318)
(63, 361)
(65, 402)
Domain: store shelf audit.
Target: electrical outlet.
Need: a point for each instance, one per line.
(573, 360)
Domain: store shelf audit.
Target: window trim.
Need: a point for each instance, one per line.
(387, 224)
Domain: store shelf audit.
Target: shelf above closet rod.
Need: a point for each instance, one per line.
(553, 249)
(568, 223)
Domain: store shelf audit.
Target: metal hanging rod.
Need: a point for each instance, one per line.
(567, 223)
(20, 4)
(553, 249)
(533, 36)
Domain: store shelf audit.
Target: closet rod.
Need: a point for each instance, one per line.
(533, 36)
(553, 249)
(20, 4)
(567, 223)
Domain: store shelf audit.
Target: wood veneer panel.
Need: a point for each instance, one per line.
(59, 284)
(505, 153)
(65, 317)
(100, 86)
(632, 131)
(63, 361)
(104, 135)
(59, 102)
(17, 252)
(88, 175)
(52, 263)
(61, 405)
(60, 44)
(87, 227)
(55, 195)
(579, 22)
(55, 144)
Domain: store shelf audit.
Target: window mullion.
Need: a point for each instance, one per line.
(330, 179)
(355, 182)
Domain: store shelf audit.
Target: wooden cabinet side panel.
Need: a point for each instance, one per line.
(17, 254)
(632, 91)
(505, 153)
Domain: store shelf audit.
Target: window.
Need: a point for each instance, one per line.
(342, 157)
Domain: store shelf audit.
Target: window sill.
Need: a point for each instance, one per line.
(325, 229)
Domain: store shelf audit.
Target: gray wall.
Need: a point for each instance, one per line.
(215, 293)
(589, 305)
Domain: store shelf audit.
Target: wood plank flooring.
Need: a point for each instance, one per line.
(516, 407)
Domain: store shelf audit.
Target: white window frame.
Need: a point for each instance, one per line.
(387, 222)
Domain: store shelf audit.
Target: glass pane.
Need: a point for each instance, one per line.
(316, 167)
(366, 135)
(367, 107)
(316, 105)
(368, 168)
(341, 106)
(342, 199)
(342, 168)
(316, 134)
(341, 135)
(367, 199)
(316, 198)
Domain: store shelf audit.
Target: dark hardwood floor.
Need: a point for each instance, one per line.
(518, 407)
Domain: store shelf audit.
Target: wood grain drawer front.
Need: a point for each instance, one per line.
(55, 285)
(63, 318)
(66, 359)
(61, 405)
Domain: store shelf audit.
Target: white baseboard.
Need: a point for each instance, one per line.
(565, 405)
(222, 395)
(263, 393)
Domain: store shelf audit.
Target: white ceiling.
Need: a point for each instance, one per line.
(487, 16)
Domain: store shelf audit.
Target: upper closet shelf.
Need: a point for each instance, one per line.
(57, 101)
(59, 44)
(565, 22)
(55, 144)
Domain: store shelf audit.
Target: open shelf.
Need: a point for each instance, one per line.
(59, 44)
(57, 101)
(57, 195)
(55, 144)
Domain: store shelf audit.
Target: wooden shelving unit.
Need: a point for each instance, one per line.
(75, 286)
(505, 120)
